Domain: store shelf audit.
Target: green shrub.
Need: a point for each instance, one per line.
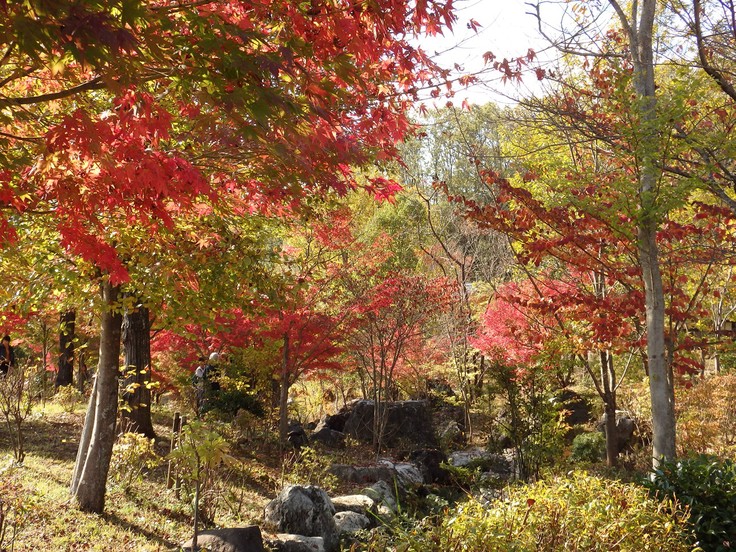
(200, 459)
(68, 398)
(707, 485)
(227, 403)
(309, 467)
(588, 447)
(132, 454)
(573, 513)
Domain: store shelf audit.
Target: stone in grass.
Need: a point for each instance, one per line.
(238, 539)
(304, 511)
(295, 543)
(349, 523)
(358, 503)
(384, 494)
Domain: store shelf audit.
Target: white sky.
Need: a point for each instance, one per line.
(507, 30)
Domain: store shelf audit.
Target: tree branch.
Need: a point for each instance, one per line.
(711, 71)
(94, 84)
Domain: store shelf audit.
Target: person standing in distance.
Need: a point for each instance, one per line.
(7, 355)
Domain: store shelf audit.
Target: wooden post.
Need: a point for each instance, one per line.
(175, 431)
(177, 482)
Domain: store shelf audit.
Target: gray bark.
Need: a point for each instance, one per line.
(284, 395)
(93, 461)
(661, 385)
(609, 402)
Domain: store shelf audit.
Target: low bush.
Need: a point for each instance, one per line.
(16, 404)
(132, 454)
(309, 467)
(588, 447)
(18, 508)
(68, 398)
(573, 513)
(227, 403)
(706, 417)
(707, 485)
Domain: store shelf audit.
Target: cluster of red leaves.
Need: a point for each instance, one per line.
(276, 101)
(585, 247)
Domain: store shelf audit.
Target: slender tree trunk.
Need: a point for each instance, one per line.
(65, 373)
(609, 406)
(661, 382)
(378, 407)
(93, 461)
(84, 440)
(661, 385)
(607, 389)
(136, 336)
(284, 395)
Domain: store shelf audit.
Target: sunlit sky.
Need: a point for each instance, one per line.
(507, 30)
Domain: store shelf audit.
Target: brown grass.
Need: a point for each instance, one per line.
(148, 517)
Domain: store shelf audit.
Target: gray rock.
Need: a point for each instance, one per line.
(383, 493)
(328, 437)
(239, 539)
(345, 473)
(363, 474)
(351, 522)
(304, 511)
(407, 474)
(358, 503)
(405, 421)
(625, 427)
(284, 542)
(462, 458)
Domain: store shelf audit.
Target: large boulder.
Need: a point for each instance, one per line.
(328, 437)
(429, 461)
(405, 421)
(304, 511)
(239, 539)
(625, 427)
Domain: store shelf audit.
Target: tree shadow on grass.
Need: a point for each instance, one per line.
(114, 519)
(47, 438)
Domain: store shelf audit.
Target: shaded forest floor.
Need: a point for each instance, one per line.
(147, 516)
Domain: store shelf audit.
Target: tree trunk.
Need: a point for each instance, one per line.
(93, 460)
(661, 385)
(284, 395)
(136, 336)
(609, 406)
(65, 374)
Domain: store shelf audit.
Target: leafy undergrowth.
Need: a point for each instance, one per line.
(145, 517)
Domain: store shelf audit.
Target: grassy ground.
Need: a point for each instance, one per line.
(146, 517)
